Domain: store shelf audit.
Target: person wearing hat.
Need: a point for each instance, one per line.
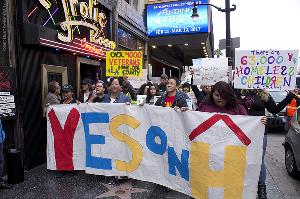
(163, 83)
(67, 92)
(86, 90)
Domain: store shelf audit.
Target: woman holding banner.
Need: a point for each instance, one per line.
(115, 96)
(222, 99)
(256, 101)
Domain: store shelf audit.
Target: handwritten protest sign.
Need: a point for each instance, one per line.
(208, 71)
(266, 69)
(190, 152)
(124, 63)
(137, 82)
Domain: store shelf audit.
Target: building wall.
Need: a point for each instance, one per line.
(33, 122)
(31, 135)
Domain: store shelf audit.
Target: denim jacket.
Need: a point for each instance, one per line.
(180, 100)
(120, 99)
(2, 133)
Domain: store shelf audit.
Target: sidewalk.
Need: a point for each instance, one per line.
(40, 183)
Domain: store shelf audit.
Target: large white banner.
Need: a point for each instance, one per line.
(266, 69)
(208, 71)
(204, 155)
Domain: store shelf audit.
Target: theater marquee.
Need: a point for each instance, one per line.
(82, 26)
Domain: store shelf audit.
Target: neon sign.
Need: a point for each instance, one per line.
(85, 15)
(80, 46)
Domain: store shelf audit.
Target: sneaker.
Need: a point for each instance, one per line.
(112, 180)
(5, 186)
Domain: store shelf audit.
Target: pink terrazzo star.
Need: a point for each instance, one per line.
(123, 191)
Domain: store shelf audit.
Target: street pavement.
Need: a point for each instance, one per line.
(40, 183)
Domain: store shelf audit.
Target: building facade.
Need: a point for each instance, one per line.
(62, 41)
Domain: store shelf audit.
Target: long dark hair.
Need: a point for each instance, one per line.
(226, 92)
(142, 88)
(148, 98)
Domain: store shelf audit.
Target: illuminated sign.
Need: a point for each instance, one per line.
(80, 14)
(175, 18)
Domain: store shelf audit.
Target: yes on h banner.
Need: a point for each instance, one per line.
(204, 155)
(124, 63)
(266, 69)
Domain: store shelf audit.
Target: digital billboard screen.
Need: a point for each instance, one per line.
(175, 18)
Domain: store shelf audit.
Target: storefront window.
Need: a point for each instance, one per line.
(128, 41)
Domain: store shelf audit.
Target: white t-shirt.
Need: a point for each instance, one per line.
(112, 100)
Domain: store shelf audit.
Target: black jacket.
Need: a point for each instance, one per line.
(200, 95)
(255, 106)
(131, 91)
(179, 101)
(162, 88)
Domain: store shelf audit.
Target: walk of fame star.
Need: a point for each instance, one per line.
(123, 191)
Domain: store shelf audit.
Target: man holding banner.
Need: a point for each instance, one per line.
(172, 97)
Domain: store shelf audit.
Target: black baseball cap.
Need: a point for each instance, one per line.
(67, 88)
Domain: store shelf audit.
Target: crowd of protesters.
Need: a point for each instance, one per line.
(220, 97)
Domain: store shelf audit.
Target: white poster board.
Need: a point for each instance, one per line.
(141, 99)
(266, 69)
(208, 71)
(137, 82)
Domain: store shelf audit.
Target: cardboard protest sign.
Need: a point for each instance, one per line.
(190, 152)
(266, 69)
(137, 82)
(124, 63)
(141, 99)
(208, 71)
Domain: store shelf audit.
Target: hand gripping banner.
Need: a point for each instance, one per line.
(204, 155)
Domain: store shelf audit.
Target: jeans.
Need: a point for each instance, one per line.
(263, 171)
(1, 162)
